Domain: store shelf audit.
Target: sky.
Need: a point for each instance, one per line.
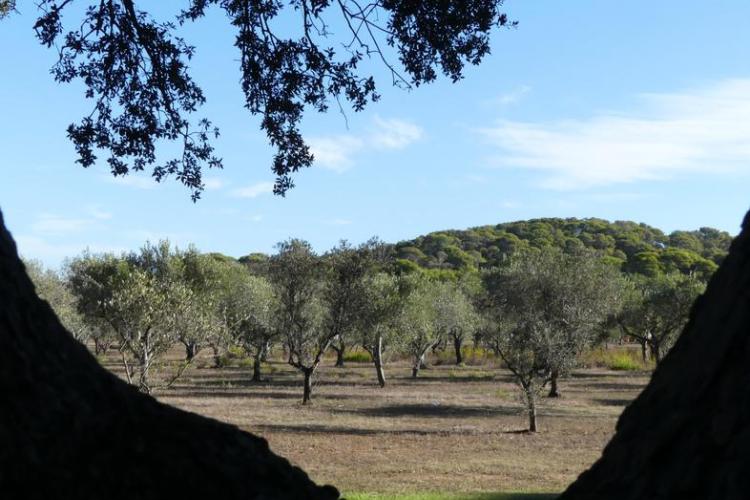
(619, 110)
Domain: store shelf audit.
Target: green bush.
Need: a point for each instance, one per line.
(623, 362)
(358, 357)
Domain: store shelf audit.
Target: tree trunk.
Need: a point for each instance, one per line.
(307, 393)
(339, 355)
(256, 365)
(656, 351)
(217, 356)
(191, 351)
(457, 341)
(65, 418)
(644, 350)
(265, 352)
(686, 434)
(553, 390)
(377, 358)
(531, 406)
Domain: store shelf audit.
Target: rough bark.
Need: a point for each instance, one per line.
(339, 355)
(553, 388)
(377, 358)
(307, 393)
(69, 428)
(191, 351)
(687, 435)
(531, 407)
(256, 365)
(457, 342)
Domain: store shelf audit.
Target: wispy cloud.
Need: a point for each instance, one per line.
(704, 130)
(58, 224)
(213, 183)
(512, 96)
(254, 190)
(394, 133)
(337, 152)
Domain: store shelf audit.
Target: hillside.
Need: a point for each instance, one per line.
(635, 247)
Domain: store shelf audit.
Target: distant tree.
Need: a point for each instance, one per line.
(295, 272)
(135, 70)
(657, 309)
(251, 312)
(417, 322)
(377, 318)
(53, 288)
(559, 300)
(455, 315)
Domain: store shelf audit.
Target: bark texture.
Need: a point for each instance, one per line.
(688, 434)
(70, 429)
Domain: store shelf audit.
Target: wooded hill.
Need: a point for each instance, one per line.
(634, 247)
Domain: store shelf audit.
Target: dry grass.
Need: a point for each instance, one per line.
(455, 429)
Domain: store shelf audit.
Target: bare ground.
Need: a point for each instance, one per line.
(455, 429)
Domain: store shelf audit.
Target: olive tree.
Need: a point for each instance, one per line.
(377, 322)
(251, 313)
(295, 272)
(418, 326)
(657, 309)
(456, 316)
(54, 288)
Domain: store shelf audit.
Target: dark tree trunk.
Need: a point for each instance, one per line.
(307, 393)
(339, 355)
(256, 365)
(67, 425)
(457, 342)
(553, 389)
(191, 351)
(265, 352)
(686, 434)
(377, 358)
(656, 351)
(531, 407)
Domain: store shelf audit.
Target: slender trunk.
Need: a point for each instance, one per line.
(656, 351)
(377, 358)
(307, 394)
(457, 341)
(143, 382)
(265, 351)
(531, 405)
(644, 351)
(191, 351)
(217, 356)
(339, 355)
(418, 363)
(256, 364)
(553, 392)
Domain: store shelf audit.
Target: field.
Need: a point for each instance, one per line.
(454, 430)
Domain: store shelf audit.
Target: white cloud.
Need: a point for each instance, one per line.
(512, 97)
(213, 183)
(254, 190)
(706, 130)
(395, 134)
(337, 152)
(58, 224)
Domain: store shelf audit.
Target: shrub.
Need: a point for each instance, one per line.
(615, 359)
(358, 357)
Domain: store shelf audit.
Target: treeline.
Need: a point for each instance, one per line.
(538, 308)
(633, 247)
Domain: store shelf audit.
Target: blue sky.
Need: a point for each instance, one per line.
(620, 110)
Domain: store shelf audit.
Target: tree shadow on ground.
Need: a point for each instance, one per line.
(356, 431)
(613, 401)
(432, 410)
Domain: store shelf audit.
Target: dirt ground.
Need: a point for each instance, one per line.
(454, 429)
